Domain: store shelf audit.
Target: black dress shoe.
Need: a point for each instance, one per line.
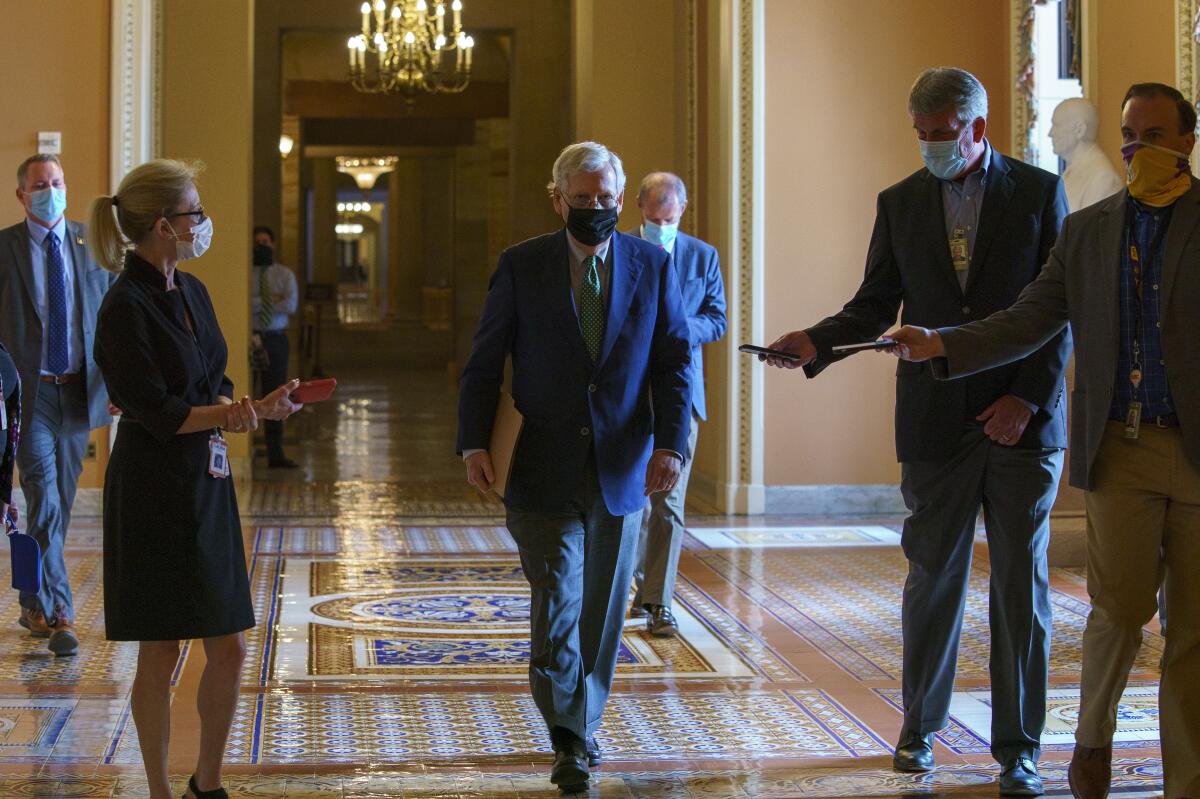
(1020, 778)
(282, 463)
(661, 623)
(593, 751)
(914, 753)
(638, 611)
(570, 772)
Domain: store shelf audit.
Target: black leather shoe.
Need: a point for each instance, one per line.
(1020, 778)
(282, 463)
(593, 751)
(914, 753)
(661, 623)
(638, 611)
(570, 772)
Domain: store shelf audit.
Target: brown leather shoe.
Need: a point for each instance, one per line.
(1090, 772)
(35, 622)
(63, 640)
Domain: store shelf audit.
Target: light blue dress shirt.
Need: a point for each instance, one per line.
(37, 254)
(962, 202)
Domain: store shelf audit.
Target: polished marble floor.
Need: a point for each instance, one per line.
(393, 631)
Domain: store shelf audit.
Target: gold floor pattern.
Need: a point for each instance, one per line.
(389, 656)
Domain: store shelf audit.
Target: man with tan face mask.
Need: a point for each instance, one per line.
(50, 293)
(1124, 276)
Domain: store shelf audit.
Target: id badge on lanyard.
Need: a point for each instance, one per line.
(218, 456)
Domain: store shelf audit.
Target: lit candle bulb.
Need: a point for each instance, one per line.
(352, 47)
(470, 46)
(456, 7)
(366, 12)
(441, 17)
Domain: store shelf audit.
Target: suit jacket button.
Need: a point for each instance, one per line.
(966, 309)
(583, 431)
(592, 388)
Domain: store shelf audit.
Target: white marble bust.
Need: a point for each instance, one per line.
(1089, 176)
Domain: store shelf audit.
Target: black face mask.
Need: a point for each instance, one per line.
(591, 226)
(263, 255)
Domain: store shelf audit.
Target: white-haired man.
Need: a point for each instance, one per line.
(599, 344)
(662, 200)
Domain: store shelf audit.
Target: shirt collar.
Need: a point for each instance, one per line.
(578, 254)
(38, 232)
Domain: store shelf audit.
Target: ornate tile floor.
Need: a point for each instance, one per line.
(389, 657)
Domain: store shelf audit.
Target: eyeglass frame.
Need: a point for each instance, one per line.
(606, 201)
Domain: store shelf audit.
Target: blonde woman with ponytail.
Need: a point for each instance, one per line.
(174, 562)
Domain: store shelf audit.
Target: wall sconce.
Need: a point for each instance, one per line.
(286, 143)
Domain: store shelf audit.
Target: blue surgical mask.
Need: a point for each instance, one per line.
(943, 158)
(48, 204)
(662, 235)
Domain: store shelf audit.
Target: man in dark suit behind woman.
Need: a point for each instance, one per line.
(50, 291)
(954, 242)
(599, 343)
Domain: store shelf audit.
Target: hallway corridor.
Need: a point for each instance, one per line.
(390, 652)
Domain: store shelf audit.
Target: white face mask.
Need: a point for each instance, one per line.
(201, 239)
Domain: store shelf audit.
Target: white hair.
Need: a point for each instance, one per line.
(659, 185)
(581, 158)
(939, 88)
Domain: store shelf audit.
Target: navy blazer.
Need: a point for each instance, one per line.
(908, 264)
(634, 400)
(21, 321)
(698, 270)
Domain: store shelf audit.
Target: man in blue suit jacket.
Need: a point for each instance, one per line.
(50, 293)
(599, 345)
(662, 199)
(954, 242)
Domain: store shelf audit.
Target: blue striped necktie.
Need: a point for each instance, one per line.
(56, 293)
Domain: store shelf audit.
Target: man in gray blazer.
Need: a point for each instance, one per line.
(1125, 275)
(50, 292)
(662, 200)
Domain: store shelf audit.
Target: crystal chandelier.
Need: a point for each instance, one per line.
(408, 45)
(366, 171)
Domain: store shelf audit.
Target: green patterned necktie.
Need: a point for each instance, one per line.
(591, 308)
(266, 308)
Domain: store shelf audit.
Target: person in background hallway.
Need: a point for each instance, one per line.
(50, 292)
(662, 199)
(955, 241)
(174, 563)
(1124, 277)
(10, 431)
(599, 343)
(274, 298)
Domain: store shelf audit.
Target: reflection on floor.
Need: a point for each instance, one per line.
(393, 632)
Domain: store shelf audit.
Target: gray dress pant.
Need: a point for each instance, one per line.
(661, 536)
(579, 563)
(1016, 488)
(50, 459)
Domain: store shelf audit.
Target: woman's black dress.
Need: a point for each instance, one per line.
(174, 564)
(10, 431)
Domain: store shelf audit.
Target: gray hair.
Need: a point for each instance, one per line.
(939, 88)
(580, 158)
(40, 158)
(657, 185)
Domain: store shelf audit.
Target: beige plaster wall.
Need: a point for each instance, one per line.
(1135, 43)
(206, 115)
(63, 87)
(837, 132)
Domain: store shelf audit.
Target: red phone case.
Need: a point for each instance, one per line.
(314, 391)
